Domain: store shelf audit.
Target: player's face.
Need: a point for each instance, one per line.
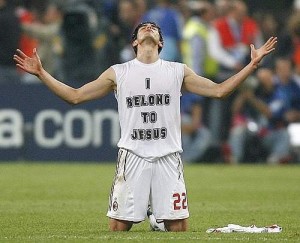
(148, 31)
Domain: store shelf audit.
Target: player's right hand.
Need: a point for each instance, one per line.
(31, 65)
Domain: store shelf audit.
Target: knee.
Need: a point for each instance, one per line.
(176, 225)
(119, 225)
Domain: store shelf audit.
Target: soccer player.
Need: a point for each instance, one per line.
(148, 90)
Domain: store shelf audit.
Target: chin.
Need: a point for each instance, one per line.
(150, 38)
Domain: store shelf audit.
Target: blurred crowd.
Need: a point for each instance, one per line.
(78, 39)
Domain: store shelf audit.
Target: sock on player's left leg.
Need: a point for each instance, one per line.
(154, 225)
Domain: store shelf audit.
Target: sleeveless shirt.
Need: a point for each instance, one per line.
(148, 98)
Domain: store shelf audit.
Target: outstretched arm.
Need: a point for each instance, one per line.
(205, 87)
(95, 89)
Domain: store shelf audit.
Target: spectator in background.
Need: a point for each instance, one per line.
(222, 7)
(269, 27)
(290, 42)
(27, 16)
(105, 55)
(47, 32)
(284, 101)
(129, 16)
(79, 29)
(142, 7)
(10, 33)
(235, 31)
(195, 37)
(288, 89)
(228, 45)
(169, 19)
(250, 123)
(182, 7)
(110, 10)
(268, 24)
(276, 100)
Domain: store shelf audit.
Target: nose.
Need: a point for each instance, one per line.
(148, 26)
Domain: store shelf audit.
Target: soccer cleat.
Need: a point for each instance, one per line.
(154, 225)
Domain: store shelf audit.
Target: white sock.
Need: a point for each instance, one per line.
(156, 226)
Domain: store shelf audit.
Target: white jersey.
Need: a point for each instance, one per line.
(149, 107)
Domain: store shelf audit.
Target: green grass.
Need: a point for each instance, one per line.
(51, 202)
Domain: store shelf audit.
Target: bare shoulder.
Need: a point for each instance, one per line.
(109, 74)
(190, 75)
(197, 84)
(108, 78)
(188, 71)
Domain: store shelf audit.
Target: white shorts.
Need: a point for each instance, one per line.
(139, 182)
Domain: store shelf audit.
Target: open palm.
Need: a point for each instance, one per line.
(258, 54)
(31, 65)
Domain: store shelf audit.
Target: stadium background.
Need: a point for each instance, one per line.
(35, 125)
(53, 202)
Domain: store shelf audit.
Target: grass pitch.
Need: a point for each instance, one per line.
(51, 202)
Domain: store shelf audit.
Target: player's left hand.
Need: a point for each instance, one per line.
(258, 54)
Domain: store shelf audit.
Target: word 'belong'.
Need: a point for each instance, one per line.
(147, 100)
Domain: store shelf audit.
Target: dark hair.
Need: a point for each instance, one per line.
(136, 30)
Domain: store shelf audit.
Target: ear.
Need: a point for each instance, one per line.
(160, 44)
(135, 43)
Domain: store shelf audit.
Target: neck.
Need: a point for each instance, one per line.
(147, 53)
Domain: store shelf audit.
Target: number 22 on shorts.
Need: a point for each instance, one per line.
(180, 201)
